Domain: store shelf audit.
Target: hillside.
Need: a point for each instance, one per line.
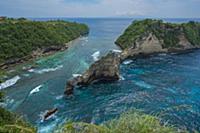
(11, 123)
(169, 35)
(20, 38)
(129, 122)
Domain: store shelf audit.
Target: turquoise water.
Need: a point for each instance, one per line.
(167, 84)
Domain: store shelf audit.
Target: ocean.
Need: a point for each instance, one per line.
(165, 85)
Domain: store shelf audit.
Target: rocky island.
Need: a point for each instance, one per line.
(141, 38)
(104, 70)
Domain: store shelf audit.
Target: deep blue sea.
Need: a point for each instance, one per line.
(167, 85)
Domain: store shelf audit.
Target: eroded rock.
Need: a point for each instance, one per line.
(104, 70)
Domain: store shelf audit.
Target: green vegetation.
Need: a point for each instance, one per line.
(11, 123)
(168, 32)
(20, 37)
(130, 122)
(2, 74)
(192, 31)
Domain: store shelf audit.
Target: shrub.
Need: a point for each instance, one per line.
(11, 123)
(129, 122)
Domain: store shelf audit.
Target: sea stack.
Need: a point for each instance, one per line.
(104, 70)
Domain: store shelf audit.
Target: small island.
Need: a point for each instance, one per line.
(22, 39)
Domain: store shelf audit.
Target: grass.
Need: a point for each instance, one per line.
(11, 123)
(129, 122)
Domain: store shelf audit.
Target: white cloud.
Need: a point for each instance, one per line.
(100, 8)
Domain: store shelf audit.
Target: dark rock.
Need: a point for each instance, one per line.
(52, 48)
(49, 113)
(104, 70)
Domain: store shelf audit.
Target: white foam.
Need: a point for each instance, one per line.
(143, 84)
(59, 97)
(117, 51)
(96, 55)
(163, 54)
(31, 70)
(127, 62)
(122, 78)
(47, 129)
(26, 75)
(76, 75)
(9, 82)
(35, 90)
(45, 70)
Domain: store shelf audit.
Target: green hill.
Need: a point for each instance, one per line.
(169, 34)
(20, 37)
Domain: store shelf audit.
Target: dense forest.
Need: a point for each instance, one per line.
(20, 37)
(168, 32)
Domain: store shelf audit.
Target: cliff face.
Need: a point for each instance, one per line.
(147, 45)
(150, 36)
(104, 70)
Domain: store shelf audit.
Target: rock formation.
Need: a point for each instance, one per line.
(104, 70)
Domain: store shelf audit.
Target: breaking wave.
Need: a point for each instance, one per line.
(9, 82)
(76, 75)
(45, 70)
(96, 56)
(35, 90)
(127, 62)
(117, 51)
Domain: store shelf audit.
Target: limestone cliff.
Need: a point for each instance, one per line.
(152, 36)
(104, 70)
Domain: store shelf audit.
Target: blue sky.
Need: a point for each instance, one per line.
(100, 8)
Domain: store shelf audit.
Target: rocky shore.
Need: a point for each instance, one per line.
(35, 54)
(155, 36)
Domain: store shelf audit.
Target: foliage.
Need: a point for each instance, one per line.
(1, 96)
(81, 127)
(11, 123)
(2, 74)
(168, 32)
(192, 31)
(19, 37)
(129, 122)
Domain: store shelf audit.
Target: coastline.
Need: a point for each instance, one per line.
(35, 54)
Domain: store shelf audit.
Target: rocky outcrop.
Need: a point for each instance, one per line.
(49, 113)
(104, 70)
(147, 45)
